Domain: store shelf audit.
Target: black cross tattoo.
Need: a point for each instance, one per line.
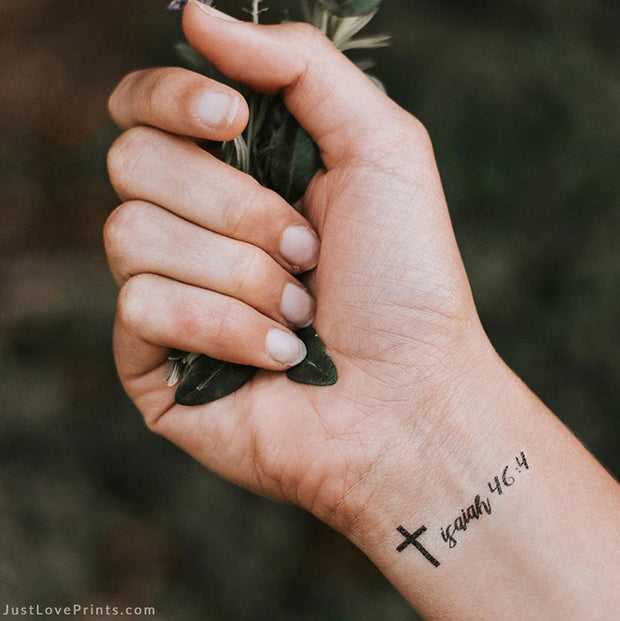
(413, 540)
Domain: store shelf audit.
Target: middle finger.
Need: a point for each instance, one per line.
(173, 172)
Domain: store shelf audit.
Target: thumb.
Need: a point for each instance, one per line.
(331, 98)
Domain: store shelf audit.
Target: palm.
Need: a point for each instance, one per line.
(289, 440)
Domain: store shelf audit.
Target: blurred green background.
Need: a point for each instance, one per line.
(522, 100)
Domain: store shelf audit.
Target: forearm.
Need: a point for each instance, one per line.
(546, 547)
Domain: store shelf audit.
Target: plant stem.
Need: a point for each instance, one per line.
(324, 21)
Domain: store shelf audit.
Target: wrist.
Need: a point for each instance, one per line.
(440, 440)
(479, 495)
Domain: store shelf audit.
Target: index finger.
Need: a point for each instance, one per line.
(179, 101)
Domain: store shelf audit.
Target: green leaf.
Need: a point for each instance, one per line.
(289, 156)
(365, 43)
(317, 367)
(207, 379)
(377, 82)
(349, 8)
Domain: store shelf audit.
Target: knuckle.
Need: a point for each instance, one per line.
(114, 100)
(112, 231)
(236, 217)
(157, 86)
(421, 134)
(125, 148)
(132, 305)
(121, 153)
(306, 34)
(225, 325)
(123, 226)
(413, 141)
(310, 41)
(124, 156)
(252, 272)
(115, 230)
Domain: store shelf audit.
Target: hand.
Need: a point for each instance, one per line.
(424, 411)
(205, 258)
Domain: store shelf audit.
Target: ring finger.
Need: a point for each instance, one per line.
(143, 238)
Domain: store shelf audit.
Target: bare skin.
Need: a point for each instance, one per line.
(424, 411)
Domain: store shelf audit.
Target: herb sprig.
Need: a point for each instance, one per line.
(281, 155)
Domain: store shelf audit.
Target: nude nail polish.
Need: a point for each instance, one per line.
(300, 247)
(297, 306)
(217, 110)
(284, 347)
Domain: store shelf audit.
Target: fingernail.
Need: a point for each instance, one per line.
(213, 12)
(284, 347)
(300, 247)
(297, 306)
(218, 109)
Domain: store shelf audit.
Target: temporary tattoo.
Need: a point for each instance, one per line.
(477, 509)
(413, 539)
(474, 512)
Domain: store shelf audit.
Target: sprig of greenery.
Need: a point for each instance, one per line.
(282, 156)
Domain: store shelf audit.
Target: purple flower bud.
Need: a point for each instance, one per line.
(177, 5)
